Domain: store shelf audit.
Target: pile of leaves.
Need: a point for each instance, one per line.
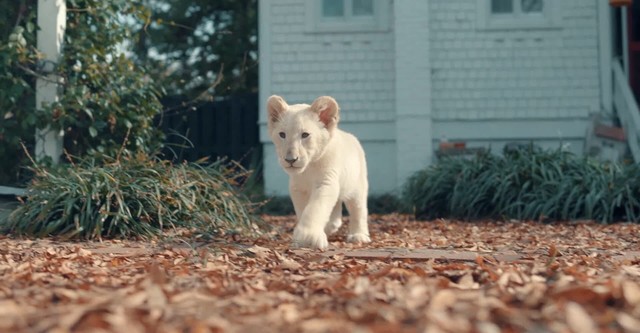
(526, 183)
(568, 278)
(137, 196)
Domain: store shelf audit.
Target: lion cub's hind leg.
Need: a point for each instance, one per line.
(358, 224)
(335, 220)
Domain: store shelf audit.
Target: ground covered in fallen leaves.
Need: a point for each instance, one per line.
(437, 276)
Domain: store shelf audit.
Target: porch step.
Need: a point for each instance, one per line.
(12, 191)
(606, 141)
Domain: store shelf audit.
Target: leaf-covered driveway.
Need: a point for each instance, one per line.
(581, 277)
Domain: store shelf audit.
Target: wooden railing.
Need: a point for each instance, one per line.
(627, 109)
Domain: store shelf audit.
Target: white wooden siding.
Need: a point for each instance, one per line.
(513, 74)
(355, 68)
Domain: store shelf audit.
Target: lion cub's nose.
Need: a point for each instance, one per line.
(290, 160)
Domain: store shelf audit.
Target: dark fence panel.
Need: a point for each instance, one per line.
(223, 128)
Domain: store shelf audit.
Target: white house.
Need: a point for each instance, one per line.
(410, 73)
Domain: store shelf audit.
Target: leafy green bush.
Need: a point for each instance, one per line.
(104, 96)
(385, 204)
(526, 184)
(137, 196)
(107, 97)
(275, 205)
(17, 88)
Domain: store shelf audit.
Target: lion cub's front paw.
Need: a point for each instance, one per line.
(358, 238)
(303, 237)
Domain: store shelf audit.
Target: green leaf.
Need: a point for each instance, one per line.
(93, 132)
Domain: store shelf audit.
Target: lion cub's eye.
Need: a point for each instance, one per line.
(282, 135)
(305, 135)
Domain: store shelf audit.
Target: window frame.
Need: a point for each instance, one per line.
(317, 23)
(549, 18)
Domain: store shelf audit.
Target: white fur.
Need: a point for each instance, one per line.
(326, 168)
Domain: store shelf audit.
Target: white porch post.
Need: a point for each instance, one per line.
(625, 40)
(413, 88)
(52, 22)
(606, 55)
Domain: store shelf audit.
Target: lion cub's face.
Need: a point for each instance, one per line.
(300, 132)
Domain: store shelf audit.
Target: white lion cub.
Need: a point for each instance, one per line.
(326, 167)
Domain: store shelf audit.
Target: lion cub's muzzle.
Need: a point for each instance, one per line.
(291, 160)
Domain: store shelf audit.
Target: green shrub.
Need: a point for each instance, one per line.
(526, 184)
(276, 205)
(104, 96)
(17, 88)
(107, 97)
(137, 196)
(385, 204)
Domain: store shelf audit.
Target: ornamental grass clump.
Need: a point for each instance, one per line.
(134, 197)
(525, 184)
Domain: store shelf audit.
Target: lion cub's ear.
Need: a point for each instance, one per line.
(328, 110)
(276, 106)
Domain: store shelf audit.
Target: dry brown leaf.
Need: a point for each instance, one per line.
(320, 325)
(579, 294)
(467, 282)
(259, 251)
(450, 323)
(633, 270)
(156, 301)
(288, 313)
(133, 300)
(628, 322)
(157, 274)
(361, 285)
(443, 300)
(532, 294)
(415, 298)
(286, 262)
(509, 277)
(631, 292)
(121, 322)
(433, 328)
(9, 308)
(487, 327)
(579, 320)
(72, 318)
